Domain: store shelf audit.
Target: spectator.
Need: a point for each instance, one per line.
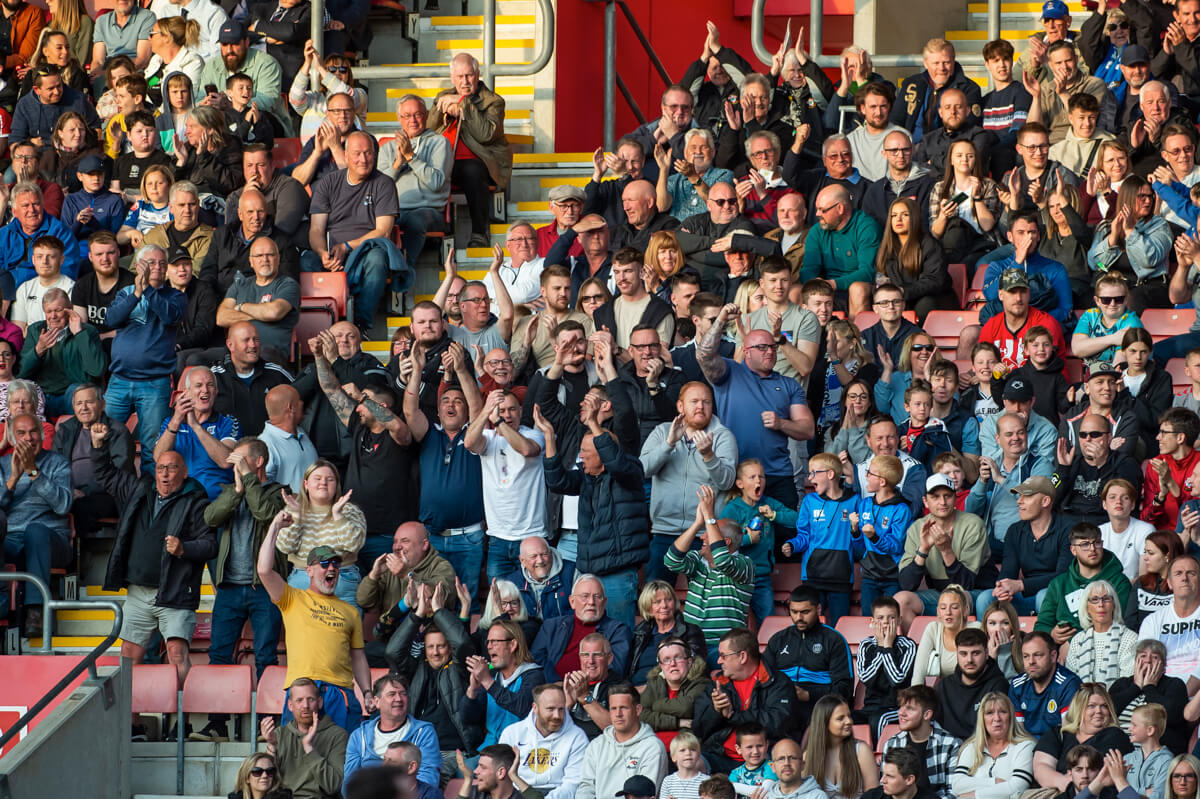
(311, 748)
(628, 744)
(534, 335)
(30, 224)
(286, 200)
(790, 214)
(684, 193)
(1136, 243)
(175, 43)
(37, 112)
(185, 228)
(787, 759)
(242, 513)
(61, 352)
(393, 724)
(544, 578)
(291, 450)
(27, 167)
(410, 561)
(1043, 693)
(996, 761)
(959, 122)
(73, 441)
(162, 593)
(1149, 685)
(1152, 590)
(229, 255)
(420, 162)
(832, 732)
(479, 328)
(122, 31)
(94, 291)
(1167, 486)
(1090, 720)
(547, 732)
(552, 648)
(1178, 57)
(259, 775)
(912, 261)
(634, 307)
(199, 433)
(209, 15)
(921, 93)
(24, 22)
(842, 230)
(500, 691)
(1100, 330)
(800, 330)
(47, 257)
(92, 208)
(930, 744)
(1051, 91)
(885, 666)
(269, 301)
(625, 162)
(1104, 651)
(1176, 625)
(471, 116)
(146, 317)
(353, 211)
(406, 757)
(587, 688)
(151, 209)
(992, 497)
(937, 653)
(642, 217)
(1007, 330)
(1057, 616)
(898, 778)
(676, 119)
(336, 73)
(661, 620)
(197, 328)
(244, 379)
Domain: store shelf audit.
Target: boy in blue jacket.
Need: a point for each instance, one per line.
(823, 535)
(878, 526)
(758, 544)
(921, 435)
(94, 207)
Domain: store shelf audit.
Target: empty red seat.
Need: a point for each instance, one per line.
(918, 627)
(1179, 380)
(286, 152)
(155, 688)
(889, 731)
(325, 284)
(217, 689)
(771, 625)
(268, 698)
(945, 326)
(1075, 370)
(1163, 323)
(854, 629)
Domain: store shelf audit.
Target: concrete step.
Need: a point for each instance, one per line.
(506, 24)
(972, 41)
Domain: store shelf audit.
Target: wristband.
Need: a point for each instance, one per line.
(174, 432)
(924, 555)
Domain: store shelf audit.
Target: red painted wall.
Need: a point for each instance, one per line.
(676, 30)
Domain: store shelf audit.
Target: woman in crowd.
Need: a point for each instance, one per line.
(1104, 182)
(71, 17)
(842, 765)
(592, 294)
(964, 206)
(661, 618)
(1136, 242)
(1182, 776)
(673, 686)
(1102, 40)
(24, 396)
(937, 655)
(916, 358)
(54, 50)
(849, 433)
(847, 360)
(337, 77)
(1003, 627)
(1089, 720)
(1104, 650)
(173, 41)
(913, 260)
(504, 603)
(997, 761)
(1151, 591)
(71, 140)
(258, 778)
(10, 349)
(323, 516)
(1067, 239)
(1146, 382)
(664, 259)
(749, 297)
(210, 157)
(198, 329)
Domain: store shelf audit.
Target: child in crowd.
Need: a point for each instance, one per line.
(922, 436)
(246, 122)
(1043, 370)
(94, 207)
(1077, 152)
(130, 94)
(177, 102)
(881, 517)
(823, 535)
(1149, 761)
(1190, 398)
(885, 666)
(152, 209)
(116, 68)
(746, 505)
(685, 782)
(983, 397)
(750, 740)
(1100, 330)
(144, 152)
(717, 787)
(1146, 382)
(953, 466)
(1006, 106)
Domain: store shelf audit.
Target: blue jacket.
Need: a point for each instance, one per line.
(932, 441)
(1035, 264)
(551, 642)
(762, 553)
(16, 249)
(993, 500)
(823, 535)
(144, 347)
(397, 266)
(32, 119)
(504, 703)
(552, 599)
(881, 557)
(360, 749)
(46, 500)
(108, 209)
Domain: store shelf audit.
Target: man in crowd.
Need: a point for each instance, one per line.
(393, 724)
(549, 745)
(603, 197)
(903, 178)
(534, 335)
(633, 306)
(674, 121)
(309, 750)
(290, 448)
(588, 601)
(791, 215)
(919, 95)
(1177, 625)
(31, 221)
(95, 291)
(976, 675)
(958, 123)
(994, 495)
(37, 113)
(1053, 91)
(544, 579)
(927, 739)
(1086, 465)
(627, 747)
(203, 437)
(840, 248)
(642, 217)
(61, 352)
(237, 56)
(1059, 613)
(73, 441)
(233, 253)
(244, 378)
(1043, 693)
(1025, 235)
(1169, 474)
(185, 228)
(325, 152)
(813, 655)
(25, 158)
(874, 103)
(411, 561)
(420, 161)
(285, 195)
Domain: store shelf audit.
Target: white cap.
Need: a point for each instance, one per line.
(938, 481)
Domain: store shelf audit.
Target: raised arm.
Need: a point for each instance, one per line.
(418, 423)
(504, 303)
(708, 354)
(266, 557)
(321, 345)
(451, 270)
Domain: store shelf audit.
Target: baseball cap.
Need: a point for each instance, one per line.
(1035, 485)
(936, 481)
(318, 554)
(1101, 369)
(741, 239)
(233, 32)
(91, 163)
(1134, 54)
(1054, 9)
(1018, 390)
(638, 785)
(561, 194)
(589, 223)
(1013, 279)
(178, 254)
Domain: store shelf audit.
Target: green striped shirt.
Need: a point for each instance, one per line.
(718, 597)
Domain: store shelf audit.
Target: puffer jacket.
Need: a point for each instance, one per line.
(662, 711)
(182, 516)
(613, 525)
(405, 658)
(643, 637)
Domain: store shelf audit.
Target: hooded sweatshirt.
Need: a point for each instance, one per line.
(549, 763)
(1064, 595)
(607, 763)
(959, 703)
(520, 684)
(1049, 387)
(823, 535)
(545, 599)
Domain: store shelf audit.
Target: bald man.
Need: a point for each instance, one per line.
(841, 249)
(291, 450)
(642, 217)
(229, 254)
(408, 556)
(244, 378)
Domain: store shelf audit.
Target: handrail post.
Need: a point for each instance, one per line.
(993, 23)
(316, 32)
(487, 68)
(816, 27)
(610, 73)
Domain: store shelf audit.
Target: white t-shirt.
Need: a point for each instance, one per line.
(1127, 546)
(385, 739)
(1181, 637)
(27, 307)
(524, 284)
(514, 487)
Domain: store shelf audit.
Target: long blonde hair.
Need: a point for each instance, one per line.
(905, 364)
(183, 33)
(978, 742)
(1074, 715)
(66, 14)
(242, 785)
(846, 329)
(1192, 761)
(820, 742)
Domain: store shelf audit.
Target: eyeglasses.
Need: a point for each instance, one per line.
(331, 563)
(340, 110)
(1099, 600)
(418, 115)
(1183, 776)
(491, 641)
(761, 153)
(922, 347)
(723, 201)
(1181, 151)
(827, 208)
(897, 149)
(494, 362)
(1162, 431)
(596, 298)
(644, 347)
(857, 397)
(1092, 433)
(838, 156)
(259, 771)
(1111, 300)
(1088, 544)
(510, 603)
(678, 107)
(473, 299)
(763, 347)
(889, 303)
(1117, 26)
(722, 655)
(1037, 148)
(25, 158)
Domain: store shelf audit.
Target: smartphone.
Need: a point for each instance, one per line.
(959, 198)
(210, 88)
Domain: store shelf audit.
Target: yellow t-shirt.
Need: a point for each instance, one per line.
(321, 631)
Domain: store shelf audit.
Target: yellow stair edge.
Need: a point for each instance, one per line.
(516, 115)
(84, 615)
(526, 206)
(501, 19)
(206, 589)
(395, 93)
(1018, 8)
(552, 158)
(983, 37)
(549, 183)
(377, 346)
(467, 44)
(75, 641)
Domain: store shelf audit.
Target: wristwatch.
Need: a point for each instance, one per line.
(33, 473)
(710, 520)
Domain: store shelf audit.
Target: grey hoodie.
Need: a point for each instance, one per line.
(677, 472)
(809, 789)
(607, 763)
(550, 763)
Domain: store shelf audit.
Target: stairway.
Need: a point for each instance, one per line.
(1018, 21)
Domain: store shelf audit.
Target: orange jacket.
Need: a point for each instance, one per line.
(27, 25)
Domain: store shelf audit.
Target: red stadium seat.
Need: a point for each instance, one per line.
(865, 320)
(268, 698)
(331, 285)
(854, 629)
(771, 625)
(945, 326)
(1075, 370)
(155, 688)
(312, 321)
(889, 731)
(218, 689)
(1026, 623)
(958, 280)
(860, 694)
(452, 788)
(975, 296)
(1163, 323)
(1179, 381)
(286, 152)
(910, 316)
(918, 627)
(863, 733)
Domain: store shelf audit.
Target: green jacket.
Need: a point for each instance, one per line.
(385, 593)
(74, 359)
(482, 130)
(314, 775)
(264, 501)
(844, 256)
(662, 712)
(1058, 603)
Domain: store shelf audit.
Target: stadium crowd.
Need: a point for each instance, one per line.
(560, 513)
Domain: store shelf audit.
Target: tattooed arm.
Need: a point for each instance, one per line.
(391, 422)
(708, 351)
(341, 402)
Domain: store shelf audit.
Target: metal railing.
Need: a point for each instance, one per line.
(88, 662)
(612, 78)
(816, 32)
(488, 68)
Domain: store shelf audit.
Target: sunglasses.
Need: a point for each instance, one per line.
(342, 70)
(259, 771)
(1117, 26)
(724, 201)
(332, 563)
(1111, 300)
(922, 347)
(592, 298)
(1092, 434)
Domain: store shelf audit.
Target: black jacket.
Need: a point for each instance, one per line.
(198, 328)
(570, 431)
(292, 29)
(710, 99)
(614, 525)
(959, 703)
(626, 235)
(182, 516)
(1077, 482)
(817, 659)
(404, 656)
(772, 704)
(652, 410)
(329, 435)
(809, 182)
(935, 147)
(120, 446)
(1170, 692)
(229, 254)
(604, 198)
(244, 401)
(917, 101)
(1183, 63)
(1156, 396)
(879, 196)
(217, 173)
(656, 310)
(554, 636)
(931, 281)
(1049, 388)
(643, 637)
